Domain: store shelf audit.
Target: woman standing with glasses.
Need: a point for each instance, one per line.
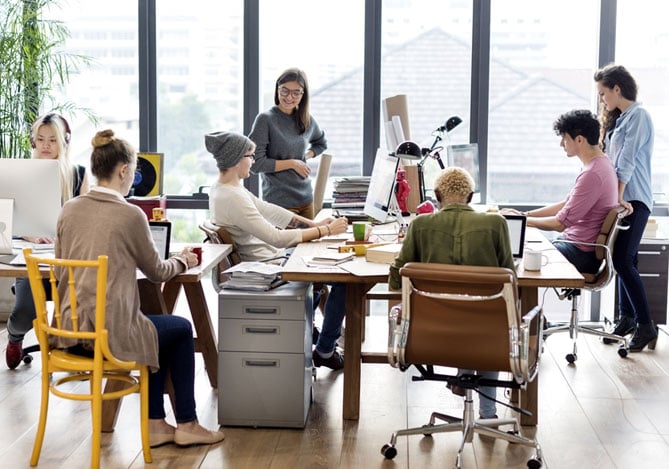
(286, 136)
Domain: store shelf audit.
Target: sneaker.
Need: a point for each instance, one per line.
(334, 362)
(13, 354)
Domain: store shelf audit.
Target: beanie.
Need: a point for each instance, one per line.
(227, 147)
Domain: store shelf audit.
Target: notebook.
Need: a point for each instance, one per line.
(517, 225)
(161, 232)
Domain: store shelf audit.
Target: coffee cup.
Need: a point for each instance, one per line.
(534, 260)
(361, 230)
(197, 250)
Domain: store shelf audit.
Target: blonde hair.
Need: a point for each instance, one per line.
(454, 182)
(65, 167)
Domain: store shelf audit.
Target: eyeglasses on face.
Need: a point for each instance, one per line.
(251, 155)
(283, 91)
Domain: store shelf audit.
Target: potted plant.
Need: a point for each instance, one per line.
(32, 65)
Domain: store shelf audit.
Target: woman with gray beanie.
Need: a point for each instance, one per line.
(258, 228)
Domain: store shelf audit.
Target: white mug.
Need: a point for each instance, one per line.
(534, 260)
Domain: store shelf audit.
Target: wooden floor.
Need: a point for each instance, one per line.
(602, 412)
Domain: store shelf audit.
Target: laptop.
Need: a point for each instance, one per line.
(161, 232)
(517, 225)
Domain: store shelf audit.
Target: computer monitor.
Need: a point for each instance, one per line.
(465, 156)
(381, 186)
(34, 186)
(517, 225)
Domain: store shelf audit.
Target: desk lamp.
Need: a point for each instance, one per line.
(451, 123)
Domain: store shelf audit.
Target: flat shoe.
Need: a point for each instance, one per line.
(159, 439)
(201, 437)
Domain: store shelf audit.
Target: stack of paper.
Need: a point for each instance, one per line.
(253, 276)
(384, 254)
(350, 192)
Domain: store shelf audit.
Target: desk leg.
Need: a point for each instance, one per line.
(151, 297)
(110, 408)
(205, 341)
(355, 308)
(529, 398)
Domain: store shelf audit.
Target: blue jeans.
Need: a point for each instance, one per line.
(333, 316)
(176, 354)
(23, 313)
(632, 301)
(584, 261)
(487, 407)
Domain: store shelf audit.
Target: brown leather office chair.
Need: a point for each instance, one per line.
(464, 317)
(219, 235)
(604, 244)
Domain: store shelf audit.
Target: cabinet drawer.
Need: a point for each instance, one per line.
(261, 335)
(290, 301)
(264, 389)
(653, 259)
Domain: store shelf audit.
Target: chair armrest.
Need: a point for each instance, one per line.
(396, 326)
(531, 343)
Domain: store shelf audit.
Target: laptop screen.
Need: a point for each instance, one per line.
(161, 232)
(516, 224)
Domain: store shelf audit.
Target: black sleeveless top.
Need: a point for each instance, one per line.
(79, 173)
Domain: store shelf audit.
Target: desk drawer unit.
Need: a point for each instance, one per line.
(264, 347)
(654, 270)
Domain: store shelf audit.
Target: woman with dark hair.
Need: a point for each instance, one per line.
(286, 136)
(103, 222)
(627, 137)
(50, 140)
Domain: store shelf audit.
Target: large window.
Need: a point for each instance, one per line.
(644, 51)
(542, 58)
(325, 39)
(426, 55)
(108, 88)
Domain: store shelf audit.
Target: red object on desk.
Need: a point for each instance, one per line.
(425, 207)
(147, 204)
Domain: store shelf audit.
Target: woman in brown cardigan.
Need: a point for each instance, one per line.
(103, 222)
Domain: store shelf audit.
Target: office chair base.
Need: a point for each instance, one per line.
(468, 426)
(26, 357)
(573, 327)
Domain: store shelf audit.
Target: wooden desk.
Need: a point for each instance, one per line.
(360, 277)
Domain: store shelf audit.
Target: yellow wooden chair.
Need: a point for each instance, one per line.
(102, 365)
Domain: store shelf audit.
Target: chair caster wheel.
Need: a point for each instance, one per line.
(534, 463)
(622, 351)
(389, 452)
(27, 359)
(571, 357)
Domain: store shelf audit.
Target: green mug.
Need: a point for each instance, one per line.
(361, 230)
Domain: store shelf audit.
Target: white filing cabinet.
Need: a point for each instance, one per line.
(264, 356)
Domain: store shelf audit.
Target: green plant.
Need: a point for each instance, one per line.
(32, 65)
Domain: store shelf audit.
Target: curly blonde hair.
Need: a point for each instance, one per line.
(454, 182)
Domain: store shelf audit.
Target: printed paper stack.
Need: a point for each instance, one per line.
(253, 276)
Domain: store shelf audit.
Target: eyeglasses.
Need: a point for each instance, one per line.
(252, 156)
(283, 91)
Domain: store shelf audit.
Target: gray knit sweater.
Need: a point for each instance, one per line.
(276, 137)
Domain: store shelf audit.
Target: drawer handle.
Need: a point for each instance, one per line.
(649, 275)
(652, 253)
(265, 363)
(261, 310)
(261, 330)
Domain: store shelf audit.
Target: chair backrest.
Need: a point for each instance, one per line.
(219, 235)
(70, 272)
(465, 317)
(604, 244)
(321, 181)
